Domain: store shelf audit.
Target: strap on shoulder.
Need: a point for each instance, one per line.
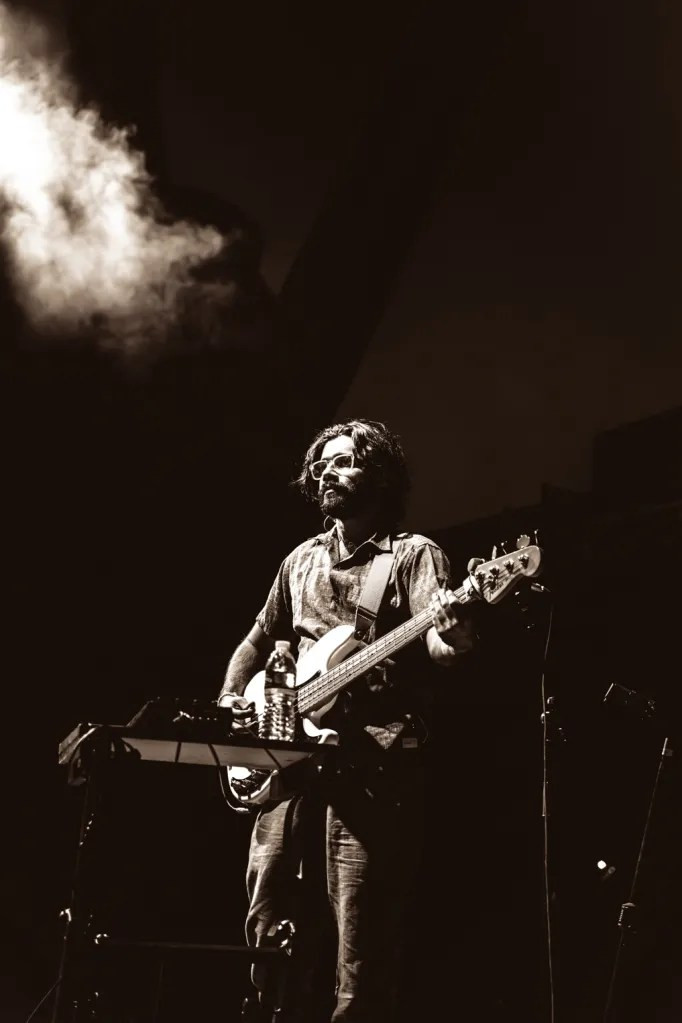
(373, 591)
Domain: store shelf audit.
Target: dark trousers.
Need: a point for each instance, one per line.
(339, 860)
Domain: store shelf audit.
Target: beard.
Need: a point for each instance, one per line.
(343, 502)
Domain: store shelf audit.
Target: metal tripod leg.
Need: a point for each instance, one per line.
(75, 994)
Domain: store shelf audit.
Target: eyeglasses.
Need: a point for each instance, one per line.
(339, 463)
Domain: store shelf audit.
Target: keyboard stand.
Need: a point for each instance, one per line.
(91, 752)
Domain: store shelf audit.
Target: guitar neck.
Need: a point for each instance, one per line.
(321, 690)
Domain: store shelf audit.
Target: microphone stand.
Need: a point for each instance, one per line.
(553, 736)
(628, 910)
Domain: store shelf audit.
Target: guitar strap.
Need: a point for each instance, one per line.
(373, 592)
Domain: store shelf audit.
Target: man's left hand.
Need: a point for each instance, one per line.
(452, 621)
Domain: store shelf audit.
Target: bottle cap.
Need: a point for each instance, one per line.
(282, 644)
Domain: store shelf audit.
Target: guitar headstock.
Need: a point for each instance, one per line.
(492, 580)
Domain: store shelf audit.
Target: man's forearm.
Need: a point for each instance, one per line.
(245, 662)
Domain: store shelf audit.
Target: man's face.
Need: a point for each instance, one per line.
(343, 493)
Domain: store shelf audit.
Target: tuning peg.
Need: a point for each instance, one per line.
(473, 564)
(522, 541)
(499, 549)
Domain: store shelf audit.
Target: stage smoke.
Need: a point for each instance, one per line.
(90, 249)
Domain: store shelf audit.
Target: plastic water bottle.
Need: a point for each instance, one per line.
(278, 719)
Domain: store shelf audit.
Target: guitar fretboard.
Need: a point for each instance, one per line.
(321, 690)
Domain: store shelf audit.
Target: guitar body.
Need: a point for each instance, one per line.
(255, 787)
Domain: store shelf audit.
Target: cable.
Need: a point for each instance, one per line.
(115, 744)
(241, 809)
(71, 762)
(45, 997)
(545, 823)
(232, 806)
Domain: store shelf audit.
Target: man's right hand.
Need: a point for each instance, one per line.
(243, 710)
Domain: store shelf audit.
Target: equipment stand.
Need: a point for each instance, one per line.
(627, 919)
(75, 995)
(81, 989)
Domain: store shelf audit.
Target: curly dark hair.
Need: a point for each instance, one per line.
(381, 454)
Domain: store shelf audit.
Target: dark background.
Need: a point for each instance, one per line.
(148, 506)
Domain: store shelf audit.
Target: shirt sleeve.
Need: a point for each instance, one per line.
(427, 571)
(275, 617)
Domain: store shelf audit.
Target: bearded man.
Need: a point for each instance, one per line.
(339, 856)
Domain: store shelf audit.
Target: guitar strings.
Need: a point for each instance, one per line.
(314, 692)
(366, 659)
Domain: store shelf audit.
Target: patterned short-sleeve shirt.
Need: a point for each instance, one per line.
(317, 589)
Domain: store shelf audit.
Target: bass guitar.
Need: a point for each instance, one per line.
(339, 658)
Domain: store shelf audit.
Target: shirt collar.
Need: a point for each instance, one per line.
(382, 542)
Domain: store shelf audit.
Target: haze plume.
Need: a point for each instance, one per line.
(91, 250)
